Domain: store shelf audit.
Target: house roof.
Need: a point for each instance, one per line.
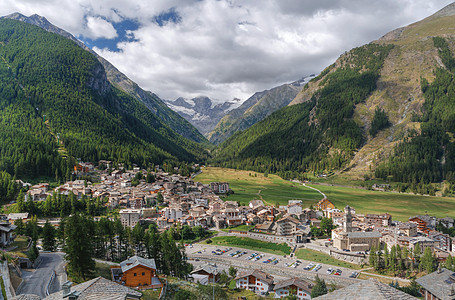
(438, 283)
(135, 261)
(288, 219)
(369, 290)
(26, 297)
(8, 228)
(209, 268)
(294, 281)
(267, 278)
(364, 234)
(100, 288)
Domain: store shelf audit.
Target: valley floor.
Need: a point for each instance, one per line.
(249, 185)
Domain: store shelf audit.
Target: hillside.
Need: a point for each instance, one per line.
(255, 109)
(201, 111)
(121, 81)
(46, 76)
(383, 83)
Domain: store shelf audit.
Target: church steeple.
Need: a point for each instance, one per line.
(347, 223)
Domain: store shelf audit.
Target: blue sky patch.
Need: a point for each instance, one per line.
(111, 44)
(168, 16)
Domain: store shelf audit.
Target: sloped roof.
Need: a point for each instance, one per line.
(209, 268)
(267, 278)
(364, 234)
(367, 290)
(294, 281)
(26, 297)
(438, 283)
(288, 219)
(99, 288)
(135, 261)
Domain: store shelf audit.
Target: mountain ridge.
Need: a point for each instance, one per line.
(151, 101)
(50, 86)
(412, 59)
(256, 108)
(202, 112)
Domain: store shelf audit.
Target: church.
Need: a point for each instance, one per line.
(346, 238)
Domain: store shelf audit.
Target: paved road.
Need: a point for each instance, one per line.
(36, 281)
(310, 187)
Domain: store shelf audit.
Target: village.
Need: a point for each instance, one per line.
(156, 197)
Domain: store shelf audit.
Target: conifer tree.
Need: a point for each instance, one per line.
(78, 246)
(48, 237)
(319, 288)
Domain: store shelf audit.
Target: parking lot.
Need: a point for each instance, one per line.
(265, 261)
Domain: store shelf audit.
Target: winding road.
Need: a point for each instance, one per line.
(36, 281)
(310, 187)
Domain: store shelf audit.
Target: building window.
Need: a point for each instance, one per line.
(143, 273)
(135, 274)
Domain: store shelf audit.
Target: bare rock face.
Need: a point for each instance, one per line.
(98, 81)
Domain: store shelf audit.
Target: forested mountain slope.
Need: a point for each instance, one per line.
(44, 76)
(383, 109)
(121, 81)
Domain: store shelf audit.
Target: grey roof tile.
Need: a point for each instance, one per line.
(367, 290)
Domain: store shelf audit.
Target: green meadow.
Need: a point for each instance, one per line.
(248, 185)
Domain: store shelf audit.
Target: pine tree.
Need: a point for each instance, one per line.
(319, 288)
(33, 252)
(48, 237)
(428, 261)
(78, 246)
(20, 230)
(20, 202)
(386, 257)
(449, 263)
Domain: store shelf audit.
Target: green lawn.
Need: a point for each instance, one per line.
(316, 256)
(273, 189)
(21, 242)
(252, 244)
(103, 270)
(400, 206)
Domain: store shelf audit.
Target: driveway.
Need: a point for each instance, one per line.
(36, 281)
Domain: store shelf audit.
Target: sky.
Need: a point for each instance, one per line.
(226, 48)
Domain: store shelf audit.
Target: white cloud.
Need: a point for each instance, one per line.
(228, 48)
(99, 28)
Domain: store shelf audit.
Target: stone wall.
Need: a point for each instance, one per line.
(264, 237)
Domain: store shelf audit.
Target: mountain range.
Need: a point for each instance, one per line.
(381, 110)
(201, 111)
(115, 77)
(255, 109)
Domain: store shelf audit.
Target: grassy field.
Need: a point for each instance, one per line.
(273, 189)
(316, 256)
(104, 270)
(400, 206)
(248, 243)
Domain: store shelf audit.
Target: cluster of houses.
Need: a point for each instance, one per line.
(357, 232)
(263, 283)
(257, 281)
